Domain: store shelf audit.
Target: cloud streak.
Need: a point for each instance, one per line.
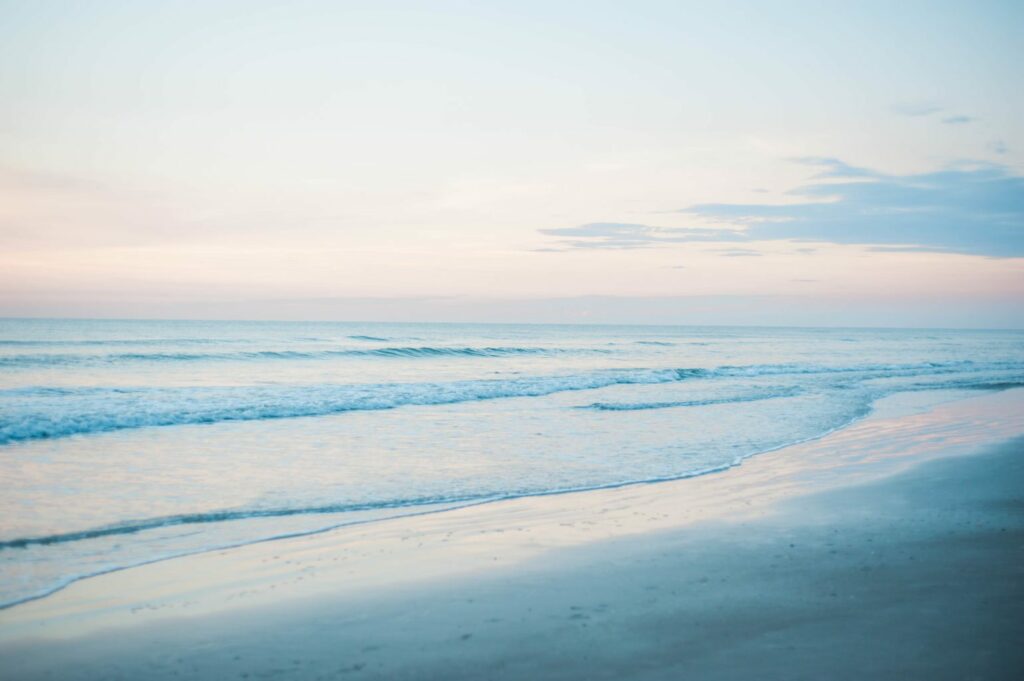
(924, 110)
(620, 235)
(739, 252)
(975, 209)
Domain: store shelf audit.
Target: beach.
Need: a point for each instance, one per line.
(511, 341)
(888, 549)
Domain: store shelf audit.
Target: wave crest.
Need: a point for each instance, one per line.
(51, 412)
(407, 352)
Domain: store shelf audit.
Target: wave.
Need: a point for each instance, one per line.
(133, 527)
(48, 412)
(94, 342)
(34, 413)
(638, 406)
(67, 580)
(995, 385)
(412, 352)
(409, 506)
(413, 507)
(885, 370)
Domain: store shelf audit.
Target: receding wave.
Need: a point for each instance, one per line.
(749, 397)
(998, 385)
(964, 384)
(133, 527)
(408, 352)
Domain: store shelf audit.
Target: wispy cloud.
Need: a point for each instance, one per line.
(957, 120)
(973, 208)
(905, 249)
(835, 168)
(998, 146)
(925, 109)
(738, 253)
(619, 235)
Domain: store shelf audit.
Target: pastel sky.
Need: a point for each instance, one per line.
(813, 163)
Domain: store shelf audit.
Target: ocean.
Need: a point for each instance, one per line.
(126, 442)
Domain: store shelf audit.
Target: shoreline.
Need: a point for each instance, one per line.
(289, 584)
(382, 513)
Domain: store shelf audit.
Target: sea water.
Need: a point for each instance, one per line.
(125, 442)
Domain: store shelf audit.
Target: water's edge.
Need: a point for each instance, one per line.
(450, 505)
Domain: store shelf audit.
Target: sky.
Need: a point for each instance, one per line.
(807, 163)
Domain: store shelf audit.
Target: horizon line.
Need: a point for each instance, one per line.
(489, 323)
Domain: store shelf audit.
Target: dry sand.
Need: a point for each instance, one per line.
(890, 550)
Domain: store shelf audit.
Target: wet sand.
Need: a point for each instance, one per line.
(893, 549)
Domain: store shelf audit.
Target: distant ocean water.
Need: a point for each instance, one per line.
(127, 442)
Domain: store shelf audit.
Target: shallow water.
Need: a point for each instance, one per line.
(125, 442)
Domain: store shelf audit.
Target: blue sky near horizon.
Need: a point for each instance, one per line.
(823, 163)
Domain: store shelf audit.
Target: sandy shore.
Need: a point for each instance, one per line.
(893, 549)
